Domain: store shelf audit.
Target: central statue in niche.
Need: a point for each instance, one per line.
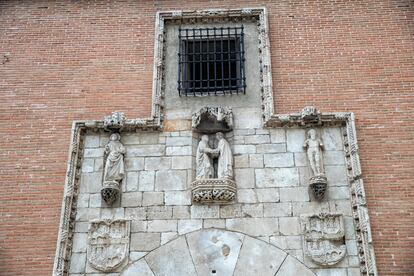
(214, 159)
(205, 156)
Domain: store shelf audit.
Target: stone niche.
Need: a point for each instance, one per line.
(214, 158)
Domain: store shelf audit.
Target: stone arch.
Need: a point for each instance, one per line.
(217, 252)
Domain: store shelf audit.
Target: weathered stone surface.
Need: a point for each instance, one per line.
(181, 162)
(256, 160)
(244, 178)
(241, 161)
(254, 226)
(146, 181)
(189, 225)
(334, 158)
(259, 258)
(277, 177)
(168, 236)
(136, 255)
(214, 250)
(91, 141)
(179, 141)
(214, 223)
(83, 200)
(178, 198)
(132, 199)
(287, 242)
(94, 153)
(277, 209)
(77, 263)
(152, 198)
(134, 163)
(181, 212)
(295, 139)
(145, 241)
(332, 138)
(295, 194)
(268, 195)
(257, 139)
(332, 272)
(289, 226)
(162, 226)
(170, 180)
(157, 163)
(135, 213)
(291, 266)
(182, 150)
(230, 211)
(138, 226)
(146, 150)
(252, 210)
(337, 176)
(131, 181)
(80, 242)
(204, 211)
(87, 165)
(159, 212)
(244, 149)
(278, 160)
(338, 193)
(278, 135)
(172, 259)
(140, 268)
(91, 182)
(271, 148)
(246, 196)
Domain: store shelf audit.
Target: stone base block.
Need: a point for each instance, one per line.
(213, 191)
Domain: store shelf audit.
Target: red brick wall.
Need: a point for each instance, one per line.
(67, 60)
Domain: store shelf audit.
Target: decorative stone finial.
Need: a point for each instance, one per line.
(115, 121)
(310, 114)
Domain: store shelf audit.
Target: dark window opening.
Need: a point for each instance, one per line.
(211, 61)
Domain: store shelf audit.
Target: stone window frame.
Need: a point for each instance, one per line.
(345, 120)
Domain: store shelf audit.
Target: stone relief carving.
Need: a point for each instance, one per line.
(324, 238)
(115, 121)
(213, 119)
(108, 243)
(318, 181)
(310, 114)
(114, 170)
(214, 185)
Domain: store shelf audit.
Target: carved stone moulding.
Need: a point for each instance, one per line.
(108, 243)
(211, 119)
(324, 238)
(318, 185)
(213, 191)
(114, 121)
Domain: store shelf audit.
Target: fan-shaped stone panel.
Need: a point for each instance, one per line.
(217, 252)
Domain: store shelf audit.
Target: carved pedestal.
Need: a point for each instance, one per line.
(324, 238)
(213, 191)
(318, 185)
(110, 191)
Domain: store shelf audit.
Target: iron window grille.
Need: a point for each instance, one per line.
(211, 61)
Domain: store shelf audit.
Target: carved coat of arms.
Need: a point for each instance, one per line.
(108, 243)
(324, 238)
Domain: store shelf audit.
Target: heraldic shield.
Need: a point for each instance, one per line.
(108, 243)
(324, 238)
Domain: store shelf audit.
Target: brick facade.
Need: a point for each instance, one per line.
(67, 61)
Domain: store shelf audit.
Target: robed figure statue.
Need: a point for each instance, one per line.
(114, 166)
(225, 158)
(204, 163)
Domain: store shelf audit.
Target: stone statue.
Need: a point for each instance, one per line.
(314, 148)
(204, 164)
(318, 181)
(225, 158)
(114, 166)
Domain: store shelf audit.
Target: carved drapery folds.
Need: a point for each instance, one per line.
(211, 119)
(214, 166)
(114, 170)
(318, 181)
(108, 243)
(324, 238)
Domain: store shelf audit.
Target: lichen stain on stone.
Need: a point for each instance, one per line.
(214, 239)
(225, 250)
